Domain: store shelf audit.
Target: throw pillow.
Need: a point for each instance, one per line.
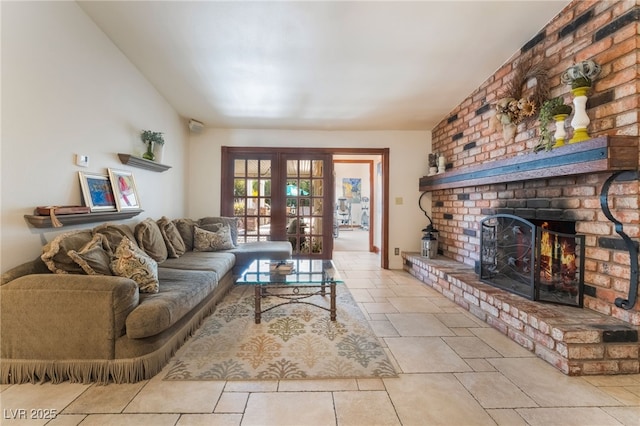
(131, 262)
(172, 239)
(55, 254)
(231, 222)
(185, 228)
(204, 240)
(114, 235)
(93, 258)
(150, 240)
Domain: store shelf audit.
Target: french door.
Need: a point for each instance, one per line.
(280, 194)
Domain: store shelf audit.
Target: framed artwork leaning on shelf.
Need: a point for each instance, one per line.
(97, 192)
(124, 189)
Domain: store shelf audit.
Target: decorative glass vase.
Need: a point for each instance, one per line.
(580, 119)
(149, 155)
(560, 133)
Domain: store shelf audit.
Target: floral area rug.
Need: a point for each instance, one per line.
(294, 341)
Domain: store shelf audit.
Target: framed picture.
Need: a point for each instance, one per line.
(124, 189)
(97, 192)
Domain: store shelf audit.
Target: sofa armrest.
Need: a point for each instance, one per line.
(63, 316)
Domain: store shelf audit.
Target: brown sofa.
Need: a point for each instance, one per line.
(97, 327)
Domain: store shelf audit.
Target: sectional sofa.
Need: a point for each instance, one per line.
(113, 303)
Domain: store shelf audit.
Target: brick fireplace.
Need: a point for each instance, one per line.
(486, 175)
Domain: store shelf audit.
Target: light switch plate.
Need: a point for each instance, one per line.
(82, 160)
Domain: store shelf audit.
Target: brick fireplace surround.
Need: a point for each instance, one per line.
(602, 338)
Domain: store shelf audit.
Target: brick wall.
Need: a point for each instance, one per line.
(608, 33)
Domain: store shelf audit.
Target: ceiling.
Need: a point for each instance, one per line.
(329, 65)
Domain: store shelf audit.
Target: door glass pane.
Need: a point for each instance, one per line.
(318, 166)
(252, 199)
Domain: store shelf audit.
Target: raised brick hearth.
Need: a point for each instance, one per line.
(575, 341)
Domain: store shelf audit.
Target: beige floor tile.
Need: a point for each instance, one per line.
(379, 308)
(210, 420)
(455, 320)
(506, 417)
(479, 364)
(628, 416)
(130, 419)
(317, 385)
(66, 420)
(406, 290)
(622, 394)
(361, 295)
(470, 347)
(383, 328)
(501, 343)
(414, 304)
(112, 398)
(434, 399)
(289, 409)
(177, 397)
(584, 416)
(381, 292)
(364, 408)
(493, 390)
(633, 389)
(232, 402)
(355, 283)
(425, 355)
(251, 386)
(412, 324)
(619, 380)
(549, 387)
(462, 332)
(18, 400)
(370, 384)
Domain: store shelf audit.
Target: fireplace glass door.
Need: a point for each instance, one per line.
(536, 261)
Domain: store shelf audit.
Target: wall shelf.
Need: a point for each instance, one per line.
(78, 219)
(142, 163)
(597, 155)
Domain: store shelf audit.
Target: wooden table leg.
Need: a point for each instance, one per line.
(258, 309)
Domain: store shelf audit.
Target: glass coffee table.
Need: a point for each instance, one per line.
(293, 281)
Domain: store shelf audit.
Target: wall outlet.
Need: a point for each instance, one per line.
(396, 251)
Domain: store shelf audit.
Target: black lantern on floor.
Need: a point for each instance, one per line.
(429, 246)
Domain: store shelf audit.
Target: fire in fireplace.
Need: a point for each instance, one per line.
(540, 260)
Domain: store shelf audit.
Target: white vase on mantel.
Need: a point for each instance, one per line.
(580, 119)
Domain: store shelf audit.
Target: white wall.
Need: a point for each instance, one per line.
(67, 89)
(407, 158)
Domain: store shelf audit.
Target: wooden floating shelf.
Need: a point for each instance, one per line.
(78, 219)
(597, 155)
(142, 163)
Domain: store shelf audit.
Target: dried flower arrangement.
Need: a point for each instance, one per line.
(512, 106)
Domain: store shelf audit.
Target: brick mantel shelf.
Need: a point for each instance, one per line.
(597, 155)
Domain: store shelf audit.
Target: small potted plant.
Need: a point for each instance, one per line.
(552, 110)
(150, 138)
(581, 75)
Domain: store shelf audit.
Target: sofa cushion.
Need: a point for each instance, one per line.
(231, 222)
(218, 262)
(93, 258)
(181, 291)
(185, 228)
(55, 253)
(114, 235)
(204, 240)
(172, 239)
(150, 239)
(131, 262)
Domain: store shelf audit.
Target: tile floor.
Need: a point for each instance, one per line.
(454, 370)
